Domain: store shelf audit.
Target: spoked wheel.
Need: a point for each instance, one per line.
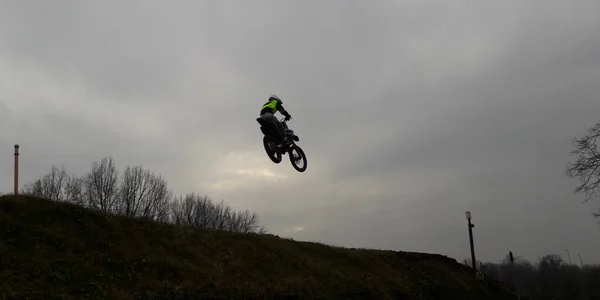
(298, 159)
(272, 152)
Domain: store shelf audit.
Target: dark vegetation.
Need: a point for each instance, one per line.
(59, 250)
(548, 278)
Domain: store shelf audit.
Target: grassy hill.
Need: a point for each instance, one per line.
(52, 250)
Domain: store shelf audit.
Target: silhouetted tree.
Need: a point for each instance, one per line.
(74, 190)
(139, 193)
(143, 193)
(192, 210)
(549, 275)
(201, 211)
(50, 186)
(586, 166)
(244, 222)
(101, 185)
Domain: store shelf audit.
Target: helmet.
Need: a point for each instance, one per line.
(274, 97)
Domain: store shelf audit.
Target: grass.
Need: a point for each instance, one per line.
(51, 250)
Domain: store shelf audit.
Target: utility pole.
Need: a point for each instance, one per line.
(16, 192)
(473, 261)
(512, 267)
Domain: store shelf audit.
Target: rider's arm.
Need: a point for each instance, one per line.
(283, 111)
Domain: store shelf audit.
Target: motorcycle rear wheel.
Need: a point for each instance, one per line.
(272, 152)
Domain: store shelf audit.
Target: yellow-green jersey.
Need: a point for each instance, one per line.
(273, 106)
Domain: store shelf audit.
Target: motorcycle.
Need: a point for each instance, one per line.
(276, 149)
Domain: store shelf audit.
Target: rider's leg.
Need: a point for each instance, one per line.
(269, 117)
(282, 131)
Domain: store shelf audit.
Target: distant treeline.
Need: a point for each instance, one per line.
(549, 278)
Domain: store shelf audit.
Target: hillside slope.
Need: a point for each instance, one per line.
(57, 250)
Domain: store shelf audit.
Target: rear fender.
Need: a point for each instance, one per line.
(264, 130)
(270, 130)
(261, 121)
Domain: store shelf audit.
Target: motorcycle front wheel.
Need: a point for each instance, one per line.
(296, 158)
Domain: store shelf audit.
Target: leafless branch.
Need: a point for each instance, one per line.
(50, 186)
(101, 185)
(586, 165)
(200, 211)
(142, 193)
(139, 193)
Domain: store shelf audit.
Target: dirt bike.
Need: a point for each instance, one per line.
(276, 149)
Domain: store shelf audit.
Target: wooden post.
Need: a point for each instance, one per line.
(16, 192)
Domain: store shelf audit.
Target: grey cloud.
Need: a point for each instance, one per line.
(517, 107)
(115, 48)
(51, 139)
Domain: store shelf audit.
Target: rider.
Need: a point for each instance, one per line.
(268, 110)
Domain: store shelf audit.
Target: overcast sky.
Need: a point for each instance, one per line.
(410, 112)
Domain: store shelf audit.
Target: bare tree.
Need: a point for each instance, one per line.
(219, 216)
(33, 188)
(200, 211)
(586, 166)
(101, 185)
(74, 190)
(54, 182)
(192, 210)
(50, 186)
(549, 267)
(244, 222)
(143, 193)
(139, 193)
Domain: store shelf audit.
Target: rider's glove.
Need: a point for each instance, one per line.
(287, 118)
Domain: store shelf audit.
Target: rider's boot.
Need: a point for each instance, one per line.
(284, 137)
(283, 143)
